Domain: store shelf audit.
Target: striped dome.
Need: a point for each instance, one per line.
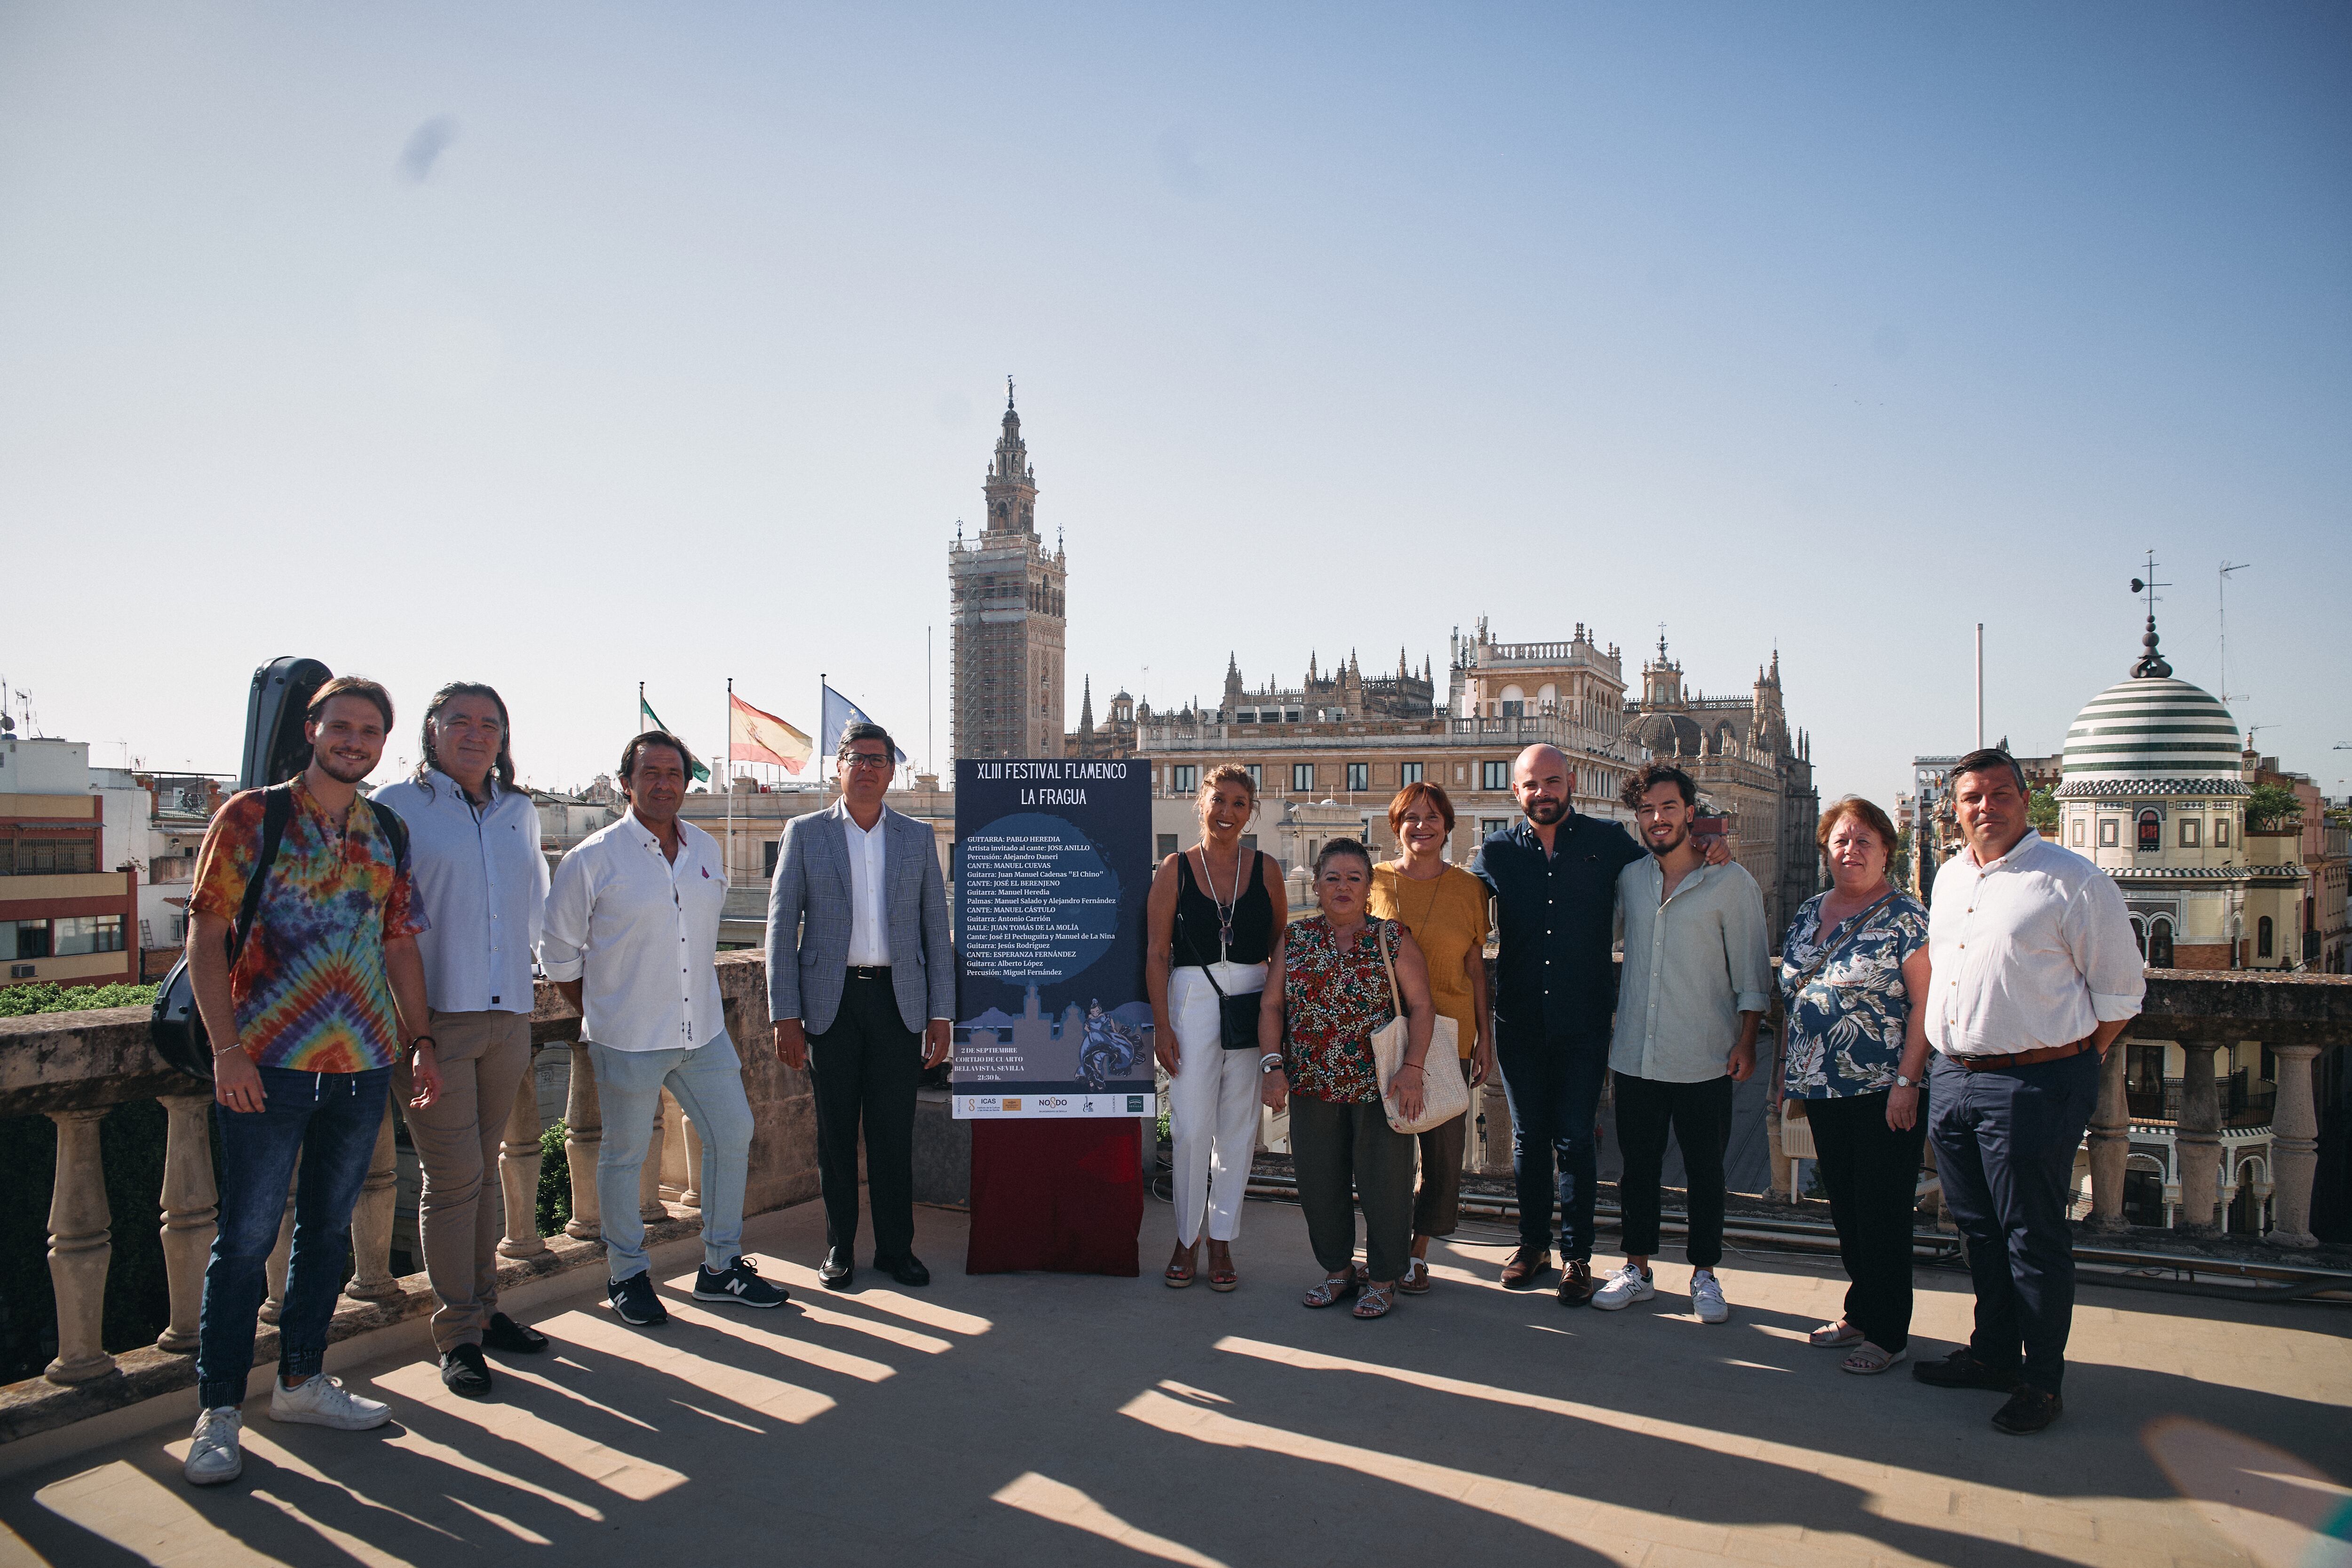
(2154, 728)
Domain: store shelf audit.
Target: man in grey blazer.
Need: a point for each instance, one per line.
(861, 987)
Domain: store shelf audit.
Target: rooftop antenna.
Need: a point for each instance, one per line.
(2222, 619)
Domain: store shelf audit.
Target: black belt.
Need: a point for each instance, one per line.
(870, 972)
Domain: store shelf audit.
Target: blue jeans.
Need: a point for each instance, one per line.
(329, 1121)
(1552, 1083)
(2005, 1141)
(708, 1083)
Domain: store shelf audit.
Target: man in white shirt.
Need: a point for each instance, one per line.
(861, 988)
(631, 939)
(2034, 974)
(1693, 989)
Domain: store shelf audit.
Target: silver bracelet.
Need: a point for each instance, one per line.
(1268, 1062)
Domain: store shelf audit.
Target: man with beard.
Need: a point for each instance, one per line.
(302, 956)
(1693, 992)
(1554, 877)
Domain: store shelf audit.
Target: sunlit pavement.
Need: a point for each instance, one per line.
(1063, 1419)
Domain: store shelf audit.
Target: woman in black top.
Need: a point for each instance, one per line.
(1214, 910)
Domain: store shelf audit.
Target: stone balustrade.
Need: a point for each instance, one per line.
(75, 1068)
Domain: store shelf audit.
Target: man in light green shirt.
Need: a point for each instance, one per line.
(1691, 992)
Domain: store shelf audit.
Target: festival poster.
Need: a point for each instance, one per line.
(1053, 861)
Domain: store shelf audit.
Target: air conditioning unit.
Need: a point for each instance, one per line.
(20, 972)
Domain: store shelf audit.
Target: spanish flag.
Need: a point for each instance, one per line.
(753, 736)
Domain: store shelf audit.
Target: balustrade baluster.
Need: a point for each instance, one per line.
(2197, 1142)
(281, 1255)
(372, 1216)
(519, 1162)
(2110, 1144)
(191, 1214)
(583, 1138)
(2294, 1148)
(81, 1245)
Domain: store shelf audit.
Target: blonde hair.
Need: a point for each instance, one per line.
(1224, 773)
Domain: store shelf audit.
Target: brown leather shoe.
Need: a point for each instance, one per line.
(1527, 1268)
(1575, 1286)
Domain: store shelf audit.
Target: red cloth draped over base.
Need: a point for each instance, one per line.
(1057, 1197)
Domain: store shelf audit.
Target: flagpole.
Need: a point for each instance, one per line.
(726, 777)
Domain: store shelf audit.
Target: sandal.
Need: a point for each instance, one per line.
(1179, 1275)
(1838, 1333)
(1377, 1300)
(1414, 1280)
(1222, 1278)
(1869, 1360)
(1335, 1290)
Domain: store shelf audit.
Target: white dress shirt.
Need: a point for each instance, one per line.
(482, 882)
(2032, 951)
(1693, 962)
(870, 939)
(641, 933)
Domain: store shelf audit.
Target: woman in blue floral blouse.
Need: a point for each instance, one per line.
(1853, 986)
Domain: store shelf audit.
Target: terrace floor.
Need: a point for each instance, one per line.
(1054, 1419)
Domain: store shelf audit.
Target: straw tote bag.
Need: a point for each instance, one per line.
(1444, 1095)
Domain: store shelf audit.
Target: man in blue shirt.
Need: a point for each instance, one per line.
(1554, 877)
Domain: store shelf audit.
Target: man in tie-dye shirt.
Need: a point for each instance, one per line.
(306, 1025)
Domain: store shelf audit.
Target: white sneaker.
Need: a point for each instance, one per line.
(1625, 1287)
(213, 1454)
(323, 1401)
(1707, 1299)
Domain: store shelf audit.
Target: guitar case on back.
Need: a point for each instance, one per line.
(274, 751)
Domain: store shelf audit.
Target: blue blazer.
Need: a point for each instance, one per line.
(809, 912)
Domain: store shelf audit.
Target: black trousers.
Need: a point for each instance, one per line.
(867, 1067)
(1700, 1117)
(1872, 1173)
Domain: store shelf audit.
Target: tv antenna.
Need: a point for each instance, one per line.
(2222, 619)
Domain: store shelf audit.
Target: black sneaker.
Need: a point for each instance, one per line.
(740, 1283)
(465, 1373)
(2029, 1410)
(1962, 1369)
(634, 1302)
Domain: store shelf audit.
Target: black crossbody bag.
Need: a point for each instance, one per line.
(1236, 1016)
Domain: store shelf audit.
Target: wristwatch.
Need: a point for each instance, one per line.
(1268, 1062)
(1902, 1082)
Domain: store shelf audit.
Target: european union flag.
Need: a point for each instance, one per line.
(839, 713)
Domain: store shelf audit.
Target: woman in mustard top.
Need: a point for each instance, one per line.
(1445, 909)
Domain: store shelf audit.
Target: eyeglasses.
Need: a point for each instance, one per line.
(865, 759)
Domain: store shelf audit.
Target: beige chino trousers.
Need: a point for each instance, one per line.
(483, 1057)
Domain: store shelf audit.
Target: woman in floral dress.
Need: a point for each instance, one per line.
(1853, 985)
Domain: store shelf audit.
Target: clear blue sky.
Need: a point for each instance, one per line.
(564, 346)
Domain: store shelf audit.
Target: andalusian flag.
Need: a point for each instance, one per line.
(652, 721)
(753, 736)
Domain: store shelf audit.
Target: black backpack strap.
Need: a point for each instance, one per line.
(394, 829)
(276, 811)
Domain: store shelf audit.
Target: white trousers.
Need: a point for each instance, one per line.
(1212, 1103)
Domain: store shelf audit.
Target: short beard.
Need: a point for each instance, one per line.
(1544, 813)
(1663, 850)
(327, 765)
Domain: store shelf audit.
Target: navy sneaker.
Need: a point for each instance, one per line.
(740, 1283)
(634, 1301)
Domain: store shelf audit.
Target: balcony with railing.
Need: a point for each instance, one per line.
(1103, 1404)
